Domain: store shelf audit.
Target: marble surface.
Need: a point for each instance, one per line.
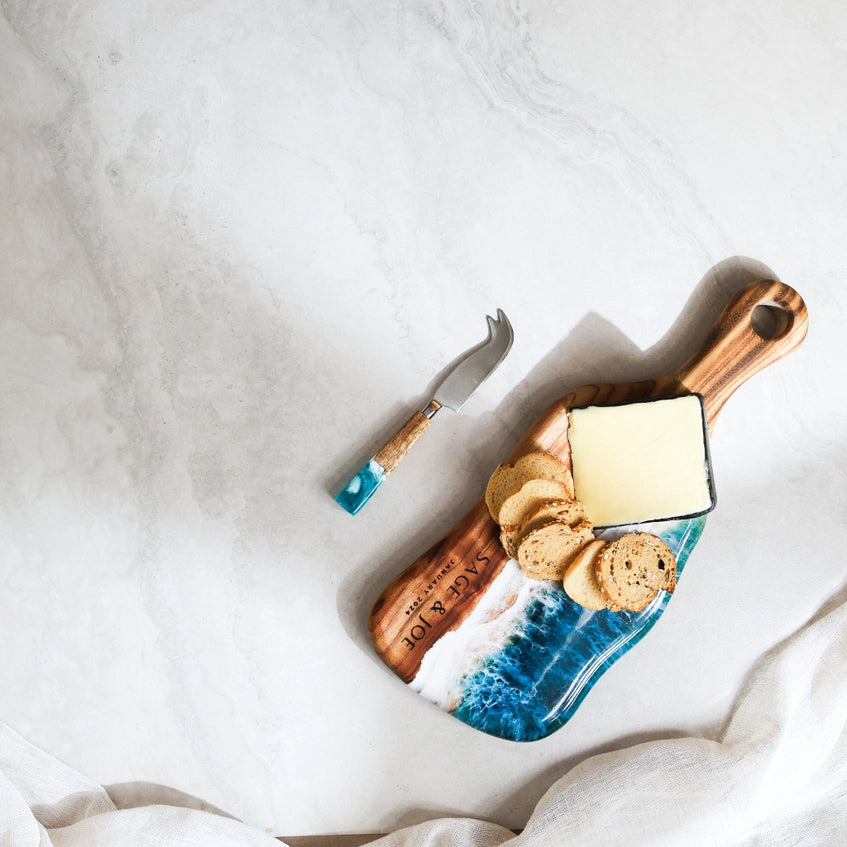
(238, 243)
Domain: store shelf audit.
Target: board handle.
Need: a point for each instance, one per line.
(765, 321)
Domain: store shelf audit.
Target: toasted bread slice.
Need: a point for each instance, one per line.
(580, 579)
(509, 478)
(632, 570)
(544, 552)
(571, 512)
(510, 538)
(532, 494)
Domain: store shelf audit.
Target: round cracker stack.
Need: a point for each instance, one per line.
(546, 529)
(541, 524)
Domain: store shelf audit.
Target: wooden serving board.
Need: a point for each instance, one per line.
(512, 656)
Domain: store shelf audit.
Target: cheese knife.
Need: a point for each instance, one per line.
(470, 371)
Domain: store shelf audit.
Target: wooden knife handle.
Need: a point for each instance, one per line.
(370, 477)
(401, 442)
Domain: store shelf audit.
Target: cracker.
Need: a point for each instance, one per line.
(529, 497)
(580, 578)
(510, 477)
(571, 512)
(545, 551)
(633, 569)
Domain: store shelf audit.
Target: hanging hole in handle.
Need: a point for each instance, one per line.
(770, 321)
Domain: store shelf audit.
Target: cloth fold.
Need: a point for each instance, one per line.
(776, 775)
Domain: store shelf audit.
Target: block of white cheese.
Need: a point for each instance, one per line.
(643, 461)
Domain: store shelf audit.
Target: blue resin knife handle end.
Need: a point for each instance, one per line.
(361, 488)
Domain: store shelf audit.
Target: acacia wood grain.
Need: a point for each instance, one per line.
(401, 442)
(443, 586)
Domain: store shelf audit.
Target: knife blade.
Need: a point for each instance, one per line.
(463, 378)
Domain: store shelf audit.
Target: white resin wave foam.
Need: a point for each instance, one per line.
(457, 654)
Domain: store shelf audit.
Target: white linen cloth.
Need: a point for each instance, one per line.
(777, 775)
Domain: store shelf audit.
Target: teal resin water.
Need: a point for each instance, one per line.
(358, 491)
(535, 683)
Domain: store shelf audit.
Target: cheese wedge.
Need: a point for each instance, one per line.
(644, 461)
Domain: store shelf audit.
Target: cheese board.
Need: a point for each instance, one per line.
(514, 657)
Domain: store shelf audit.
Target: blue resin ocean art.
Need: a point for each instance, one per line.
(521, 661)
(535, 681)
